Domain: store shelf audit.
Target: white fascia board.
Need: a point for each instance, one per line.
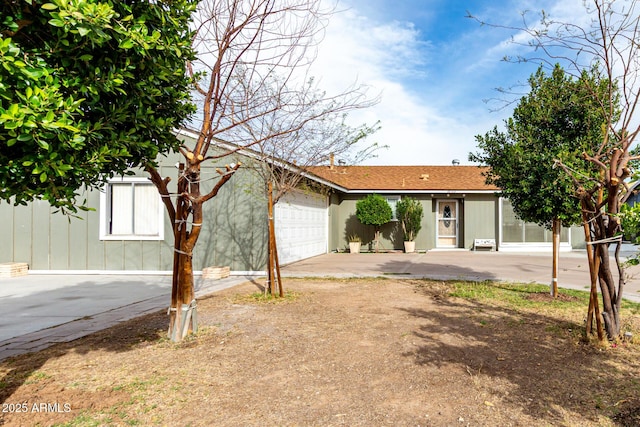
(187, 132)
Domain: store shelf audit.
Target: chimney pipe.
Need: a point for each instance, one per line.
(331, 158)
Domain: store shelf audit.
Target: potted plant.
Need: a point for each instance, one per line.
(409, 212)
(374, 210)
(354, 244)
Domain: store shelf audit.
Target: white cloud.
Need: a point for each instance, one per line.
(431, 95)
(380, 55)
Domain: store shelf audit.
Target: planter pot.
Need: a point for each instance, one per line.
(354, 247)
(409, 247)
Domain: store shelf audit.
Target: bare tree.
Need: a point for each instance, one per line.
(252, 38)
(606, 43)
(318, 130)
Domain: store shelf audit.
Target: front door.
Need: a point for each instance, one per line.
(447, 224)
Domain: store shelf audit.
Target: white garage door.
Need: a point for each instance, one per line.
(301, 226)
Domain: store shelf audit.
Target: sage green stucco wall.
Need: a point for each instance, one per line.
(478, 219)
(51, 241)
(577, 238)
(348, 224)
(234, 232)
(335, 242)
(235, 225)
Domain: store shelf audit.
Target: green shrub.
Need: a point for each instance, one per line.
(373, 210)
(409, 212)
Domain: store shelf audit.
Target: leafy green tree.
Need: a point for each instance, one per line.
(88, 89)
(557, 120)
(409, 212)
(374, 210)
(606, 41)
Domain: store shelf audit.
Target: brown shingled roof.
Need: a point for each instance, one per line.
(399, 178)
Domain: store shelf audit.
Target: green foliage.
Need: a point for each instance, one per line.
(409, 212)
(373, 210)
(88, 89)
(559, 119)
(630, 221)
(354, 238)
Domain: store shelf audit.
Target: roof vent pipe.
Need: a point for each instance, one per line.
(331, 158)
(455, 162)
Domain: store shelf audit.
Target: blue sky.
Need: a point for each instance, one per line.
(433, 67)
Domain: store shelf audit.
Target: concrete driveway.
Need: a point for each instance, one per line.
(41, 310)
(461, 264)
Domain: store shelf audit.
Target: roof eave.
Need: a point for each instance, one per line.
(405, 191)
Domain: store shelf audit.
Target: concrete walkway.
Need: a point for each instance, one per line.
(41, 310)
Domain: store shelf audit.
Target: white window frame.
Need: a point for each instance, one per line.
(565, 245)
(105, 212)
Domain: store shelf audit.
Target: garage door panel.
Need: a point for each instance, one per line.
(301, 226)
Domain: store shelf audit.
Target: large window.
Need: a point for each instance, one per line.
(515, 230)
(131, 210)
(393, 201)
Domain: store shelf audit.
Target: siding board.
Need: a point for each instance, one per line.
(113, 255)
(234, 231)
(59, 254)
(150, 259)
(6, 232)
(479, 219)
(41, 229)
(78, 241)
(22, 221)
(94, 246)
(132, 255)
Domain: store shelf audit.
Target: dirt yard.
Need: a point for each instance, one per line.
(360, 352)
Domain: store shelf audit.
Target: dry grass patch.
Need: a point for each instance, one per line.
(343, 352)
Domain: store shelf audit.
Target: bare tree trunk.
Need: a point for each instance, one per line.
(610, 300)
(273, 264)
(183, 319)
(186, 216)
(594, 267)
(557, 227)
(603, 231)
(276, 263)
(175, 320)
